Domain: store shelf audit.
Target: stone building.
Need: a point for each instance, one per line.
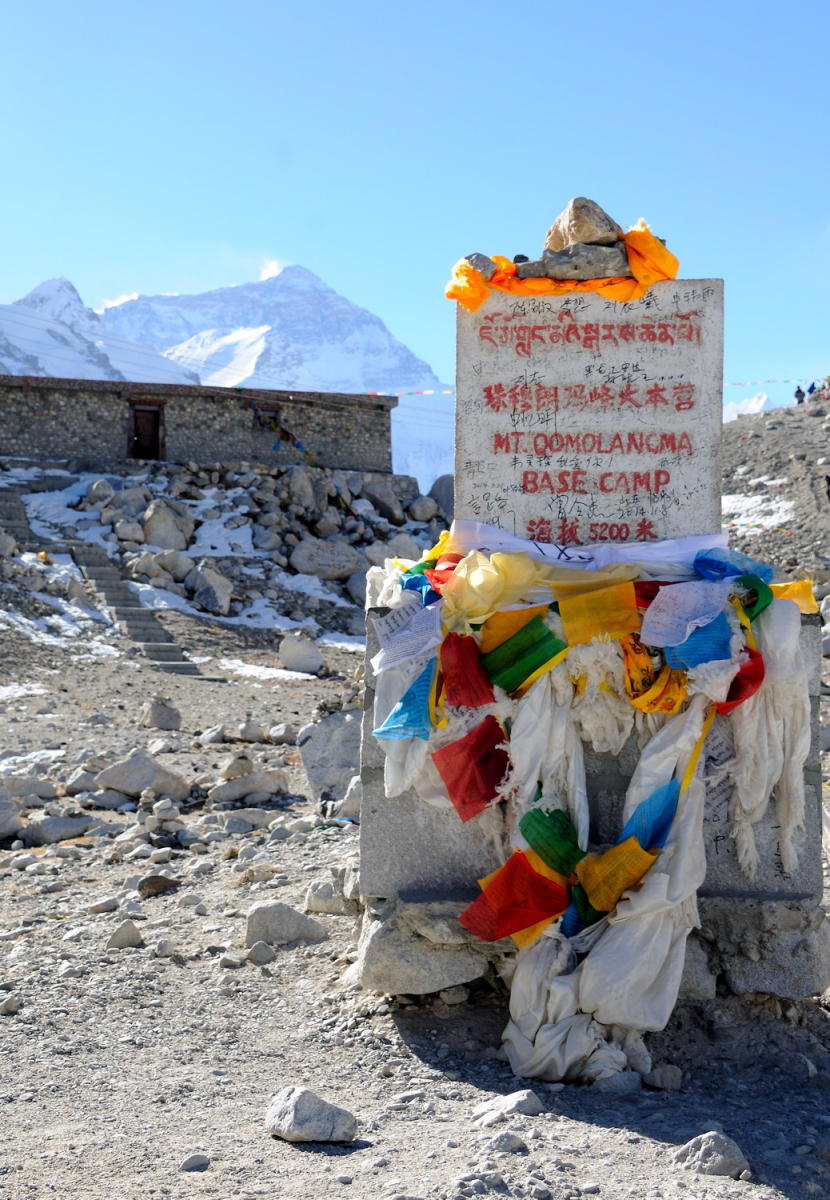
(107, 422)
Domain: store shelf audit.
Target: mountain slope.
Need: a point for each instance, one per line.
(51, 332)
(294, 331)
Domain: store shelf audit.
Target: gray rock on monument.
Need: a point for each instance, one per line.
(296, 1114)
(578, 262)
(582, 220)
(482, 263)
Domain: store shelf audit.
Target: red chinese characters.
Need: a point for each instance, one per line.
(525, 397)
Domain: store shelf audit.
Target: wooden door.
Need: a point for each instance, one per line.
(145, 440)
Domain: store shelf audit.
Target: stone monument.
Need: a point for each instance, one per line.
(583, 419)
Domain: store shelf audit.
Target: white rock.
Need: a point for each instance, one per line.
(712, 1153)
(500, 1107)
(667, 1077)
(265, 779)
(129, 531)
(299, 653)
(127, 935)
(261, 953)
(236, 766)
(282, 735)
(164, 948)
(138, 772)
(176, 563)
(423, 508)
(275, 923)
(322, 897)
(330, 750)
(296, 1114)
(105, 905)
(29, 785)
(213, 736)
(11, 822)
(159, 713)
(80, 780)
(250, 731)
(43, 830)
(211, 590)
(195, 1162)
(164, 528)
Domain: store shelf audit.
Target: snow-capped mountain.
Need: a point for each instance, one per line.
(51, 332)
(293, 331)
(289, 331)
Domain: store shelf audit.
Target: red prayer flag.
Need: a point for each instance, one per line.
(514, 899)
(473, 767)
(465, 680)
(745, 684)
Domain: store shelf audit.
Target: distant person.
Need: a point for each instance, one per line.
(811, 389)
(827, 485)
(799, 395)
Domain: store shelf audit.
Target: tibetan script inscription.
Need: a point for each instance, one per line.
(579, 419)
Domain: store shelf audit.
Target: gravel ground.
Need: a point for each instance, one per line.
(119, 1064)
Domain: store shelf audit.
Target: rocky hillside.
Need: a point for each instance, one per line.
(776, 493)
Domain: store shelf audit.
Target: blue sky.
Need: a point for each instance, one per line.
(178, 146)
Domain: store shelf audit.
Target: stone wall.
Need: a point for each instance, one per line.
(92, 420)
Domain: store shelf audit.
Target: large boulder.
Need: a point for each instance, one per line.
(326, 560)
(45, 830)
(385, 500)
(712, 1153)
(10, 820)
(330, 750)
(139, 772)
(300, 487)
(211, 591)
(176, 563)
(165, 528)
(443, 493)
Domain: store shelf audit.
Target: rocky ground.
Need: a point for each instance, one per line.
(119, 1062)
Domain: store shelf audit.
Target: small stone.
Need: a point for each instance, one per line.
(622, 1083)
(159, 713)
(507, 1143)
(236, 766)
(500, 1107)
(261, 953)
(276, 923)
(712, 1153)
(250, 731)
(454, 995)
(164, 948)
(297, 1114)
(126, 936)
(213, 736)
(105, 905)
(195, 1162)
(482, 263)
(282, 735)
(666, 1077)
(582, 220)
(231, 962)
(10, 1005)
(155, 885)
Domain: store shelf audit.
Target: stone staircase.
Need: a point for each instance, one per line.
(132, 618)
(137, 622)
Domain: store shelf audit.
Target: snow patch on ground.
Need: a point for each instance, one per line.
(254, 671)
(16, 691)
(260, 614)
(343, 641)
(762, 512)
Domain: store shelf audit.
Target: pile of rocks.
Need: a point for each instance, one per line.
(226, 536)
(583, 243)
